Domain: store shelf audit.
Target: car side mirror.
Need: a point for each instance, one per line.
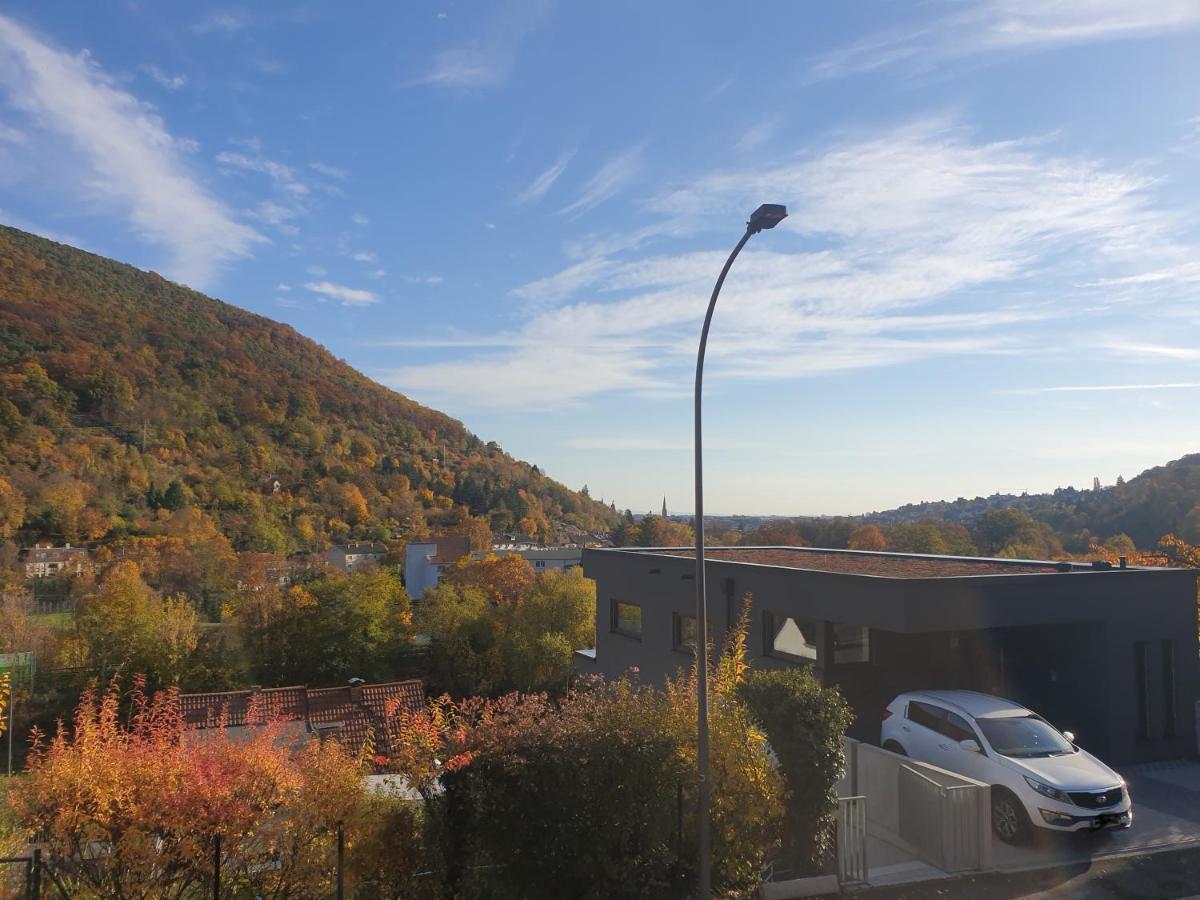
(971, 745)
(1070, 736)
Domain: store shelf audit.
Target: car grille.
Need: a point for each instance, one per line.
(1098, 799)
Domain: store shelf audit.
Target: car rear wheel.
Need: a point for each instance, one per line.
(894, 747)
(1009, 819)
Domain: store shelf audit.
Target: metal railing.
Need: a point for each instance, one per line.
(947, 824)
(852, 840)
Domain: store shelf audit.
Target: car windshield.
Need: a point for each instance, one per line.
(1024, 736)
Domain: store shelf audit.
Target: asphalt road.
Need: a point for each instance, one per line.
(1168, 875)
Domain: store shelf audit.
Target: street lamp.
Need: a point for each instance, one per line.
(766, 216)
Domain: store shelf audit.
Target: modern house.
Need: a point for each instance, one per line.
(348, 714)
(356, 554)
(1109, 652)
(44, 561)
(424, 561)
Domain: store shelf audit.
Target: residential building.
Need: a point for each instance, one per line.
(348, 714)
(1106, 651)
(425, 561)
(541, 559)
(45, 561)
(356, 554)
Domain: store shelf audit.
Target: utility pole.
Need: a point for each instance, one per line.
(143, 435)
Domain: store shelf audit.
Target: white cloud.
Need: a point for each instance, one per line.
(610, 178)
(916, 243)
(993, 25)
(360, 219)
(364, 256)
(539, 186)
(348, 295)
(318, 271)
(283, 287)
(327, 170)
(423, 279)
(127, 157)
(377, 273)
(170, 82)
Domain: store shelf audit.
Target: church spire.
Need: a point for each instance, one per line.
(664, 506)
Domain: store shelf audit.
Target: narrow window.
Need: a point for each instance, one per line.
(683, 628)
(627, 618)
(1168, 671)
(733, 608)
(789, 638)
(851, 643)
(1141, 664)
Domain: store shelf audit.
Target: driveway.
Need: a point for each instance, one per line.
(1166, 807)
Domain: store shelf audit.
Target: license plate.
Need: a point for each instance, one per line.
(1110, 820)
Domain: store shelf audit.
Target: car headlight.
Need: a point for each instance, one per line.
(1046, 791)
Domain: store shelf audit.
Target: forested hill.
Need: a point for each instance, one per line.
(1162, 500)
(125, 397)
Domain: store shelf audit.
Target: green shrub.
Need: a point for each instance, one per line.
(804, 723)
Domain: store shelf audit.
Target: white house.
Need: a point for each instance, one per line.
(424, 561)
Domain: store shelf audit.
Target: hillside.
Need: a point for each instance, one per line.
(1162, 500)
(125, 397)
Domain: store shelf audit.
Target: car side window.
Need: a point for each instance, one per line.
(956, 728)
(926, 715)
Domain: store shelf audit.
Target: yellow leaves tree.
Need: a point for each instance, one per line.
(12, 509)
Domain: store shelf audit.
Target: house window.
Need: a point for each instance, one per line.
(1168, 670)
(789, 638)
(539, 564)
(733, 607)
(627, 618)
(683, 630)
(1141, 673)
(851, 643)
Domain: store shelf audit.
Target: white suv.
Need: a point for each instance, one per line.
(1037, 773)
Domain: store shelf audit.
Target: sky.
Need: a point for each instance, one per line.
(514, 211)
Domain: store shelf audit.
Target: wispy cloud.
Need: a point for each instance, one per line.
(757, 135)
(283, 175)
(486, 58)
(364, 256)
(1102, 388)
(227, 22)
(170, 82)
(359, 219)
(126, 155)
(911, 244)
(543, 182)
(347, 295)
(995, 25)
(610, 178)
(327, 170)
(1148, 351)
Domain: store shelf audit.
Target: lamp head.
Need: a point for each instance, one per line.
(766, 216)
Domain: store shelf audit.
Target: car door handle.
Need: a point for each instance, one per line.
(905, 728)
(944, 746)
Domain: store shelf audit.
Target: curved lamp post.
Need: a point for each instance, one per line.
(766, 216)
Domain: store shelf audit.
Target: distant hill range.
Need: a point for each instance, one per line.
(1161, 500)
(125, 397)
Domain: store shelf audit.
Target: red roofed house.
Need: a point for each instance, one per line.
(349, 714)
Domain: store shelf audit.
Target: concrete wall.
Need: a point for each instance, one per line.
(946, 821)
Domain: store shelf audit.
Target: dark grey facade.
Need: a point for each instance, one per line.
(1110, 654)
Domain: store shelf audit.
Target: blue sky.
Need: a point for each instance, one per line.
(514, 211)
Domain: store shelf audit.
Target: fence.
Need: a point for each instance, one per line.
(852, 840)
(925, 811)
(37, 877)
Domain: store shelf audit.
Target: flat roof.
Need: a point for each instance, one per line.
(878, 564)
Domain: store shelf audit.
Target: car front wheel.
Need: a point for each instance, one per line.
(1009, 819)
(894, 747)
